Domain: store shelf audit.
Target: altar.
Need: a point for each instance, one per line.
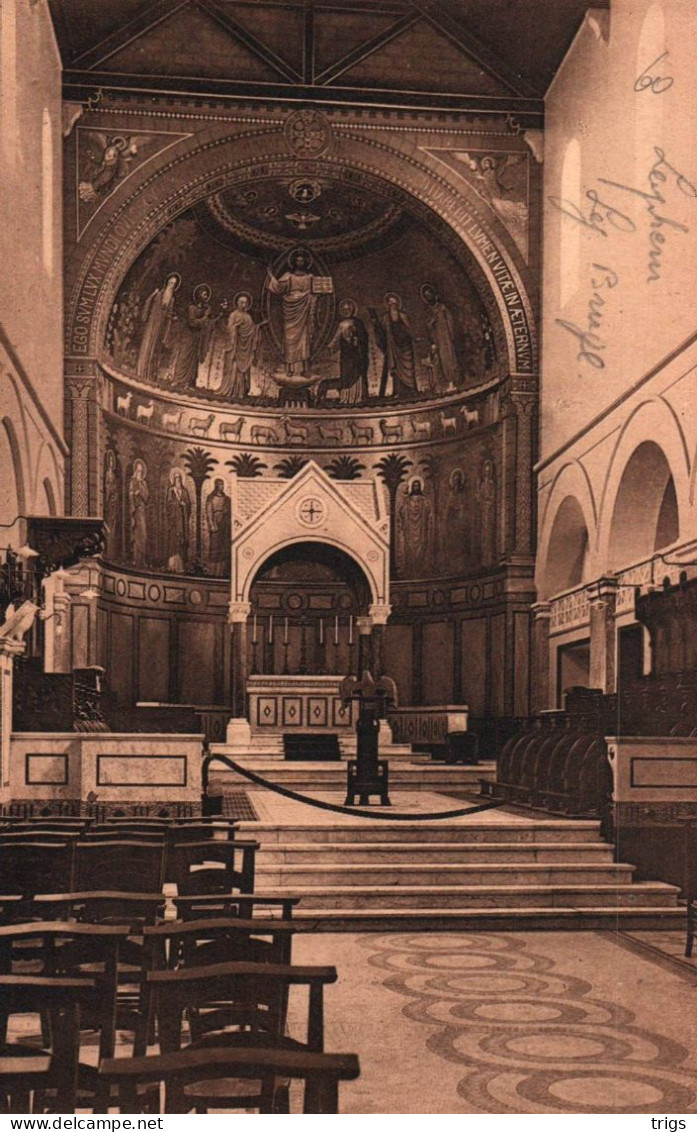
(279, 704)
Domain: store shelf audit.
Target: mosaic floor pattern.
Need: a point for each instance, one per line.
(530, 1035)
(509, 1023)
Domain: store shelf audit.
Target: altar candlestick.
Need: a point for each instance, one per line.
(271, 629)
(254, 630)
(351, 629)
(321, 630)
(285, 632)
(336, 629)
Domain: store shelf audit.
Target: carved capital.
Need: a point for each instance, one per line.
(379, 613)
(238, 612)
(80, 367)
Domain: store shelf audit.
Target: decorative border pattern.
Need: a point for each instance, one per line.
(291, 706)
(268, 707)
(661, 781)
(101, 781)
(43, 780)
(317, 711)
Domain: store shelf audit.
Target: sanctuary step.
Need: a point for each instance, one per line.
(504, 872)
(405, 774)
(271, 747)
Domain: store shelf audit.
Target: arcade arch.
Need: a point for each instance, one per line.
(645, 515)
(567, 558)
(12, 485)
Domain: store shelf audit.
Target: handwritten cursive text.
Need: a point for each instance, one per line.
(591, 344)
(661, 173)
(598, 217)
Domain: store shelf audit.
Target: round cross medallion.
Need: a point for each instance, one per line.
(311, 511)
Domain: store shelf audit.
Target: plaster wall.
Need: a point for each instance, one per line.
(31, 230)
(620, 210)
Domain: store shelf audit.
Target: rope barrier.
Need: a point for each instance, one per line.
(257, 778)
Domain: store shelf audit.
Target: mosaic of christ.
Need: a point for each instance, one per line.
(308, 291)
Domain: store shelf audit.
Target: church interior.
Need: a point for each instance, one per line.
(348, 556)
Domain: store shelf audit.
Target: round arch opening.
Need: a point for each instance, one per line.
(567, 556)
(11, 493)
(645, 517)
(305, 601)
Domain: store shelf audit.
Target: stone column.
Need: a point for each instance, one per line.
(238, 730)
(542, 614)
(602, 602)
(82, 435)
(378, 615)
(519, 411)
(9, 649)
(378, 659)
(364, 625)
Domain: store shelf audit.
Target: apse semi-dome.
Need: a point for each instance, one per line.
(303, 292)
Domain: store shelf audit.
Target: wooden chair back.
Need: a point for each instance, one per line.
(245, 905)
(151, 837)
(115, 831)
(117, 866)
(47, 837)
(320, 1072)
(53, 825)
(72, 950)
(253, 996)
(137, 910)
(62, 999)
(199, 867)
(223, 939)
(36, 866)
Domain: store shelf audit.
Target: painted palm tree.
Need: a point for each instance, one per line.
(246, 466)
(200, 465)
(345, 468)
(289, 466)
(392, 470)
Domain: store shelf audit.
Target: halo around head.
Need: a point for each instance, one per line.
(173, 473)
(293, 256)
(202, 287)
(243, 295)
(393, 295)
(457, 479)
(174, 275)
(411, 483)
(138, 463)
(351, 305)
(427, 288)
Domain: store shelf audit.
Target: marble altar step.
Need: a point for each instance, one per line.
(577, 917)
(441, 853)
(444, 874)
(270, 748)
(404, 774)
(644, 894)
(499, 871)
(462, 833)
